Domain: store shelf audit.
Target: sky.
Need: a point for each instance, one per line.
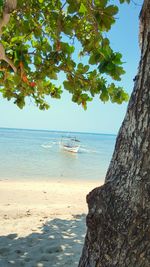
(64, 115)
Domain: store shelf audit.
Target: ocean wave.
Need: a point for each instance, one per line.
(46, 146)
(87, 150)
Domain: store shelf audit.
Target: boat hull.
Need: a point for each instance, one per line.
(70, 149)
(70, 144)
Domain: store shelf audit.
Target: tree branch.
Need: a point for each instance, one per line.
(9, 6)
(5, 58)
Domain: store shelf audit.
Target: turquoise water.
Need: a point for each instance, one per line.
(30, 154)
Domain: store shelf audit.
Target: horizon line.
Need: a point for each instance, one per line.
(66, 131)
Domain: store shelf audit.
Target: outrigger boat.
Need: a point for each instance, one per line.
(70, 144)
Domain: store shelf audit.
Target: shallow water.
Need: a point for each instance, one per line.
(31, 154)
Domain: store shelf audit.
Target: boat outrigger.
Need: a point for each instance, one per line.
(70, 144)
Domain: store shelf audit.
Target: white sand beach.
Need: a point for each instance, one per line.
(42, 223)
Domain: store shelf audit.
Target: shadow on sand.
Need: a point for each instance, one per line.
(57, 244)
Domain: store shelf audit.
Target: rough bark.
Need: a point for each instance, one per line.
(118, 221)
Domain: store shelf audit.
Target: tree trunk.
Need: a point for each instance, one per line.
(118, 222)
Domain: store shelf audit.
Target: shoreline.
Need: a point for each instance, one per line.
(42, 223)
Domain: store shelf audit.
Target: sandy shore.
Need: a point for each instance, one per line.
(42, 224)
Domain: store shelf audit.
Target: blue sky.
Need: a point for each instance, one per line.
(99, 118)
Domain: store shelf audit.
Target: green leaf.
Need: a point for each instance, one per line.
(83, 9)
(1, 3)
(123, 1)
(37, 60)
(17, 39)
(1, 74)
(111, 10)
(92, 59)
(117, 59)
(68, 85)
(20, 101)
(73, 6)
(104, 96)
(86, 68)
(100, 3)
(52, 75)
(67, 48)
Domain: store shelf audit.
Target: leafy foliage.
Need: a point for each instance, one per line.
(1, 7)
(41, 39)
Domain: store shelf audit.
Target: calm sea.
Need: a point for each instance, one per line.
(31, 154)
